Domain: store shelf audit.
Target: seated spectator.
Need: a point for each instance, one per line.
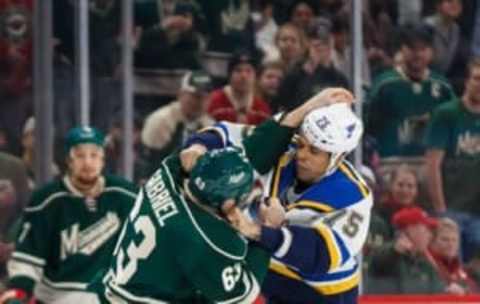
(342, 51)
(451, 50)
(270, 76)
(113, 150)
(236, 102)
(312, 75)
(265, 26)
(402, 192)
(291, 46)
(28, 152)
(453, 161)
(395, 264)
(445, 256)
(228, 25)
(167, 128)
(174, 44)
(402, 98)
(302, 13)
(14, 191)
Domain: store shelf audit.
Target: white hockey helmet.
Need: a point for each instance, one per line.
(335, 129)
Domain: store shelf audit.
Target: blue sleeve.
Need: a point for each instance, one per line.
(210, 139)
(300, 247)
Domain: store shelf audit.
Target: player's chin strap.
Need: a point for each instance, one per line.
(16, 296)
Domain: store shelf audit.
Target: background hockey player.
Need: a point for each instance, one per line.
(70, 228)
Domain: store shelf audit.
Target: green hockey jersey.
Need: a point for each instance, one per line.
(65, 239)
(173, 251)
(400, 108)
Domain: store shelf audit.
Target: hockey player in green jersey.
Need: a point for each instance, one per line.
(70, 227)
(179, 246)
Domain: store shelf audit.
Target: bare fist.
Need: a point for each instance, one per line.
(190, 155)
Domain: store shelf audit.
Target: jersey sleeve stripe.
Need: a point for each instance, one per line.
(331, 288)
(18, 268)
(311, 205)
(287, 242)
(121, 190)
(352, 176)
(283, 270)
(28, 258)
(46, 202)
(122, 293)
(252, 290)
(333, 250)
(276, 177)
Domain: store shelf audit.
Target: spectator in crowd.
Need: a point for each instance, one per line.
(14, 194)
(166, 129)
(409, 11)
(303, 13)
(402, 192)
(173, 44)
(237, 102)
(451, 51)
(291, 46)
(270, 75)
(28, 152)
(342, 52)
(113, 150)
(265, 26)
(445, 257)
(396, 263)
(313, 74)
(16, 52)
(453, 160)
(14, 191)
(228, 25)
(69, 229)
(402, 98)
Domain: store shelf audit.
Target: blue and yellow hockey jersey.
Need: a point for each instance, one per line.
(327, 221)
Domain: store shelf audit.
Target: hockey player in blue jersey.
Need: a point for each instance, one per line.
(326, 201)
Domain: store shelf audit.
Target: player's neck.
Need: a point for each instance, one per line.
(85, 189)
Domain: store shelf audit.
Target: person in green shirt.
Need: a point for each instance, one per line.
(453, 160)
(402, 98)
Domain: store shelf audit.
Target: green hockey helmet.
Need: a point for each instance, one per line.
(219, 175)
(84, 135)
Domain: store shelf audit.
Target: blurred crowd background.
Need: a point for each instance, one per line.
(200, 61)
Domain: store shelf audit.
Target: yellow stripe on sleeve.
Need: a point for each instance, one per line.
(312, 205)
(333, 250)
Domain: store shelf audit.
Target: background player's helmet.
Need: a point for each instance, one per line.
(219, 175)
(84, 135)
(335, 129)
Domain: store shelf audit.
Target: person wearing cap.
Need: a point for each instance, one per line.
(396, 263)
(237, 101)
(313, 73)
(401, 99)
(69, 229)
(327, 202)
(167, 128)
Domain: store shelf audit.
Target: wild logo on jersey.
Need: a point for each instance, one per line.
(87, 241)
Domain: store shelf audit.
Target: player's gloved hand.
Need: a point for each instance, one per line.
(190, 155)
(14, 296)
